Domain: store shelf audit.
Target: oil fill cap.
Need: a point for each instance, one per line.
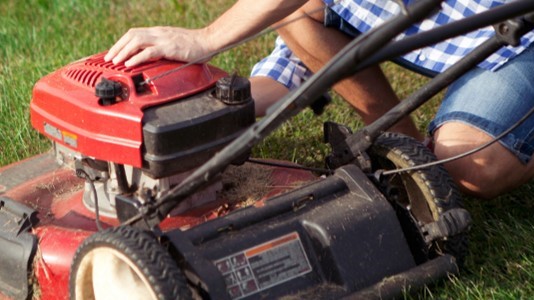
(107, 91)
(233, 90)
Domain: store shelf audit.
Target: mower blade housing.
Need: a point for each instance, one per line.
(325, 240)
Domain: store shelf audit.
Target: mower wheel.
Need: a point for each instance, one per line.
(419, 197)
(125, 263)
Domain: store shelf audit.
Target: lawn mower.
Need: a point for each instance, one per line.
(149, 191)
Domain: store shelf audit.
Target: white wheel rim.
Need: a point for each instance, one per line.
(107, 274)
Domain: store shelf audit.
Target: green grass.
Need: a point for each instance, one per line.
(39, 36)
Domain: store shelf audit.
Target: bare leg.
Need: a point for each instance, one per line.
(485, 174)
(368, 92)
(265, 92)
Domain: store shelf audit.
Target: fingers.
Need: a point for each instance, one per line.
(119, 45)
(135, 40)
(147, 54)
(144, 44)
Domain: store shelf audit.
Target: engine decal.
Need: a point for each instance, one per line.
(68, 138)
(264, 266)
(52, 131)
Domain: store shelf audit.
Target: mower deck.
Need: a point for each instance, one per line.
(55, 221)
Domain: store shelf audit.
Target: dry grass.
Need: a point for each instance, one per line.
(244, 185)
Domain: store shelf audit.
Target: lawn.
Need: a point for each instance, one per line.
(39, 36)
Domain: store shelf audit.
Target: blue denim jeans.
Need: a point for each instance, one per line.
(493, 102)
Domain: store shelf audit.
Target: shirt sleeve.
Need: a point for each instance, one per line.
(283, 66)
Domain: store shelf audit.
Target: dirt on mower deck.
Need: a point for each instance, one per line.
(249, 183)
(55, 193)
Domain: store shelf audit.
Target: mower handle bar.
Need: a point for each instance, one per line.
(368, 49)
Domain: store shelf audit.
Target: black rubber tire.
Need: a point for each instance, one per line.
(419, 196)
(139, 252)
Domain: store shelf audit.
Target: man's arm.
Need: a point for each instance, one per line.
(245, 18)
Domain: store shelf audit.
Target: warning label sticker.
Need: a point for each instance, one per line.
(263, 266)
(68, 138)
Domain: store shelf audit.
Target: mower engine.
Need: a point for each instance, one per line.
(125, 134)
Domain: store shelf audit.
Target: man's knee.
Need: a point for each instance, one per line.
(474, 176)
(312, 10)
(484, 174)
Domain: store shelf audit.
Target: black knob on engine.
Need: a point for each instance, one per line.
(108, 91)
(233, 90)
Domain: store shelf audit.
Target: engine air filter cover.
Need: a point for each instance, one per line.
(182, 135)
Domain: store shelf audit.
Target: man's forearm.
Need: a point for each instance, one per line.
(246, 18)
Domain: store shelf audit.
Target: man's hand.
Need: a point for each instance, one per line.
(244, 19)
(139, 45)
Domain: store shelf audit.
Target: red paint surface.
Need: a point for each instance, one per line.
(64, 103)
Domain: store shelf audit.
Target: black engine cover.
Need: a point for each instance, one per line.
(182, 135)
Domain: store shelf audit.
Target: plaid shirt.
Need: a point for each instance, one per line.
(284, 67)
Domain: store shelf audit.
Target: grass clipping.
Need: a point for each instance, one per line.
(244, 185)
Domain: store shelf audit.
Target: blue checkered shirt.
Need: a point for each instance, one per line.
(283, 66)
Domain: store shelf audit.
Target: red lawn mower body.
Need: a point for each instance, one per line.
(126, 138)
(65, 108)
(42, 208)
